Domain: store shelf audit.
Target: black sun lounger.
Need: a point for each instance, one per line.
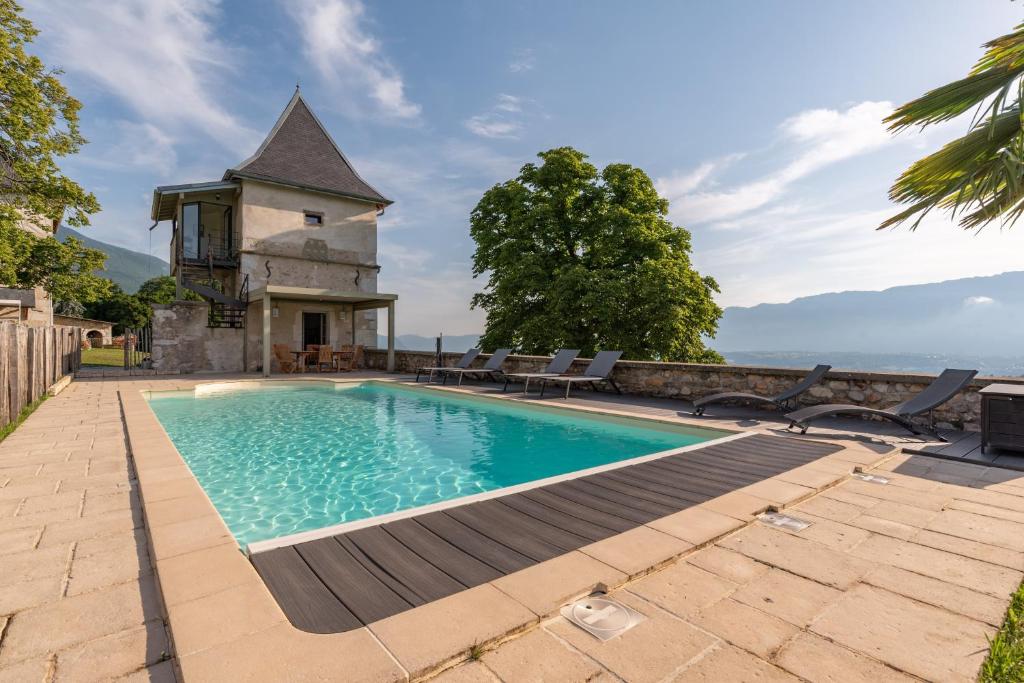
(464, 362)
(941, 389)
(599, 370)
(558, 365)
(780, 401)
(491, 368)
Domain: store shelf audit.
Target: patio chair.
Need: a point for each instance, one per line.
(464, 362)
(561, 362)
(941, 389)
(325, 356)
(599, 370)
(491, 368)
(780, 401)
(283, 356)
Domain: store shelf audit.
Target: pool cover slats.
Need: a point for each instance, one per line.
(339, 583)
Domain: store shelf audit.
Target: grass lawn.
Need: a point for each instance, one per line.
(1005, 661)
(114, 357)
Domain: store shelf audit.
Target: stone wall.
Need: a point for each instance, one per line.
(183, 343)
(689, 381)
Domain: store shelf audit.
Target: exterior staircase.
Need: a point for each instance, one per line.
(225, 311)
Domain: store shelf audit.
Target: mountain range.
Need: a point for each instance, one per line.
(969, 322)
(982, 316)
(127, 268)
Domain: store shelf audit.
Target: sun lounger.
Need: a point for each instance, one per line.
(780, 401)
(492, 367)
(942, 388)
(464, 362)
(561, 362)
(599, 370)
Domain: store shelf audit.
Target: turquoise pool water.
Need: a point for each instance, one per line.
(279, 460)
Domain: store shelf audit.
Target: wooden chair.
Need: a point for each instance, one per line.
(354, 359)
(284, 358)
(325, 356)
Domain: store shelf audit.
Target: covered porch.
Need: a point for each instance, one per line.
(348, 304)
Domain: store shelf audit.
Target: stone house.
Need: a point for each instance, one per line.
(283, 249)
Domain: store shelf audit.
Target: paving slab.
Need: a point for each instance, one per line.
(746, 627)
(728, 663)
(540, 656)
(816, 659)
(787, 596)
(799, 556)
(683, 589)
(920, 639)
(649, 652)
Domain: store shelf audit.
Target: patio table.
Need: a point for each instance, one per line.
(300, 359)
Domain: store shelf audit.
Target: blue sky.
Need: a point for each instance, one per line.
(761, 122)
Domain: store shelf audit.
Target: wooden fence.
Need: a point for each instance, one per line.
(32, 359)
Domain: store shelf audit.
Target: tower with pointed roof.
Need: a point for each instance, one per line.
(286, 238)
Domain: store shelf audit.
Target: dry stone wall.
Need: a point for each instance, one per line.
(689, 381)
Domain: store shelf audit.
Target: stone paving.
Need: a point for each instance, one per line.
(902, 581)
(891, 582)
(77, 595)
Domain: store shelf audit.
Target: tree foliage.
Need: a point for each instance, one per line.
(162, 290)
(38, 124)
(120, 308)
(577, 258)
(980, 176)
(67, 270)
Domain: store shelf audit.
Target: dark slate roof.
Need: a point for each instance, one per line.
(27, 297)
(300, 152)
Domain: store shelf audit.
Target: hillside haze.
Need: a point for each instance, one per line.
(127, 268)
(982, 316)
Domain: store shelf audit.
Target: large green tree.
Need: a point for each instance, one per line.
(979, 177)
(38, 125)
(577, 258)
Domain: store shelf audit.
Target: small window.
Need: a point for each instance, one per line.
(314, 218)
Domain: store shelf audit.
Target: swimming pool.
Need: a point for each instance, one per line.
(279, 459)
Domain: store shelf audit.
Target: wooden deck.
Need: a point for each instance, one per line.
(966, 447)
(343, 582)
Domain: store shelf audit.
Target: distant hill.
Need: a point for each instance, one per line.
(414, 342)
(975, 317)
(127, 268)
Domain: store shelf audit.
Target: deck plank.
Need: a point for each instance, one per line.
(309, 604)
(340, 582)
(600, 517)
(457, 564)
(359, 590)
(414, 572)
(583, 528)
(465, 538)
(584, 498)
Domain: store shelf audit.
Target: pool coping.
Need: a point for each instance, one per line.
(225, 623)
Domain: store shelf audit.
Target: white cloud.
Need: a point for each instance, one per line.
(136, 146)
(833, 251)
(979, 301)
(522, 60)
(818, 137)
(493, 126)
(349, 58)
(160, 57)
(503, 120)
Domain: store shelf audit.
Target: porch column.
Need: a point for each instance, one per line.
(391, 336)
(352, 319)
(266, 334)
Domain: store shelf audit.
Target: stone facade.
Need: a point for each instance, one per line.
(689, 381)
(182, 342)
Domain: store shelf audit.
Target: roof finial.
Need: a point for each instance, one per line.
(296, 86)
